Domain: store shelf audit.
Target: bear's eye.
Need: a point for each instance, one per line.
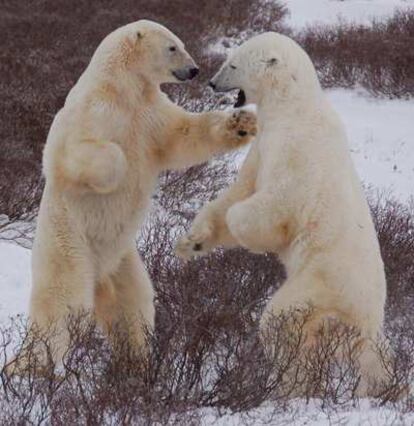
(272, 61)
(172, 49)
(233, 67)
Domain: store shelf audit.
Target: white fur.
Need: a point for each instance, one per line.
(116, 132)
(298, 195)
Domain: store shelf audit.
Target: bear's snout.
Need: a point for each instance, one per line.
(187, 73)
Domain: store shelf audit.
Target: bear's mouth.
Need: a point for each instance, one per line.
(241, 99)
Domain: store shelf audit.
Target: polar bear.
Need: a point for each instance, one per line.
(298, 195)
(106, 147)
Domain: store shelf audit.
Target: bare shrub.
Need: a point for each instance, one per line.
(379, 57)
(189, 367)
(19, 205)
(394, 223)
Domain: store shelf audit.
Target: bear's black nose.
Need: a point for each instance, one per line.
(212, 85)
(193, 72)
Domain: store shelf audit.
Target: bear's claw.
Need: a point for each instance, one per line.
(186, 248)
(192, 245)
(198, 247)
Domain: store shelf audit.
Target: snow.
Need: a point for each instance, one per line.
(381, 138)
(14, 280)
(304, 13)
(300, 413)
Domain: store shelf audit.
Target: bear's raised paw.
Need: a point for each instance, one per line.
(242, 126)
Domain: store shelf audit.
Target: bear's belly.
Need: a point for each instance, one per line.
(109, 226)
(107, 254)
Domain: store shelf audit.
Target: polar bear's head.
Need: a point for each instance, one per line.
(147, 49)
(269, 64)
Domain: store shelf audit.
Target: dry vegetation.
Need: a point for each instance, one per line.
(205, 349)
(379, 57)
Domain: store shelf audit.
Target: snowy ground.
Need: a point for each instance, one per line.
(300, 414)
(309, 12)
(381, 138)
(381, 135)
(14, 280)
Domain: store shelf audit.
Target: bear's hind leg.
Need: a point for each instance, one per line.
(307, 293)
(290, 326)
(61, 288)
(302, 294)
(124, 302)
(374, 354)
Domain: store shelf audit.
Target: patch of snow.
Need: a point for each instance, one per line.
(223, 46)
(14, 280)
(304, 13)
(381, 139)
(300, 413)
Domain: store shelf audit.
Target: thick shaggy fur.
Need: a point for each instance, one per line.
(116, 132)
(298, 195)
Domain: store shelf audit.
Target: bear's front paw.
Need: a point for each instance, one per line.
(193, 244)
(242, 126)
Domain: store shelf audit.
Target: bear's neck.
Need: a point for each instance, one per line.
(129, 86)
(288, 100)
(132, 89)
(273, 105)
